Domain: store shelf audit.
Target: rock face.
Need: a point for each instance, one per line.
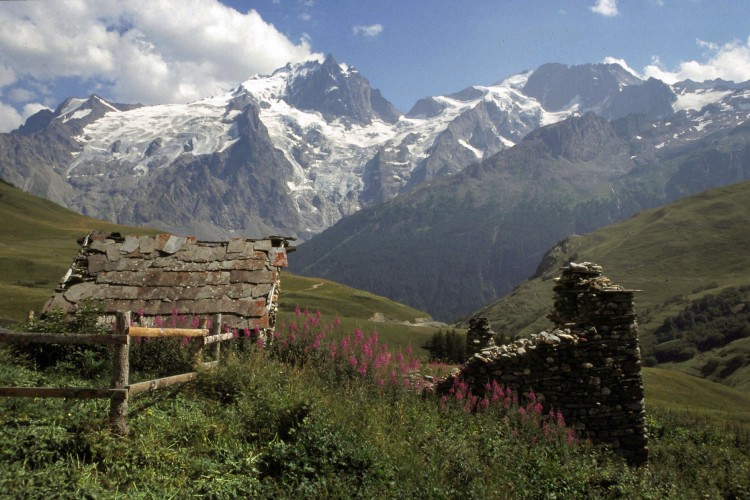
(323, 145)
(461, 241)
(588, 366)
(608, 89)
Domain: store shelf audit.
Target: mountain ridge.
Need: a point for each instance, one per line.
(344, 146)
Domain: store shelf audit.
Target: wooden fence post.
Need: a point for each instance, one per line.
(215, 330)
(118, 409)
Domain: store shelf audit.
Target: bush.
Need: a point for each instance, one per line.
(87, 361)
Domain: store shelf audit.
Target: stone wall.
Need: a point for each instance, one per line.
(587, 366)
(165, 275)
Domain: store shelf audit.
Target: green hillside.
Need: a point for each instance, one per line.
(260, 427)
(673, 254)
(38, 243)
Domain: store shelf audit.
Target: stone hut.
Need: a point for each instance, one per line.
(167, 276)
(587, 366)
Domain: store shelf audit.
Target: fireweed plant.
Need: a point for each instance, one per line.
(359, 357)
(320, 412)
(311, 341)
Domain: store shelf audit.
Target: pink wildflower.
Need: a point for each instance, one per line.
(367, 350)
(570, 436)
(560, 419)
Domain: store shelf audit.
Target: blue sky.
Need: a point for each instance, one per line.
(159, 51)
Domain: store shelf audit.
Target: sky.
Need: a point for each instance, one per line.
(174, 51)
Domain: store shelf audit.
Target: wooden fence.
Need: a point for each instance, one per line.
(121, 388)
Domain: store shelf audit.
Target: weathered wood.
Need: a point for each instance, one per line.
(118, 408)
(206, 365)
(212, 339)
(11, 337)
(60, 392)
(216, 330)
(142, 331)
(153, 385)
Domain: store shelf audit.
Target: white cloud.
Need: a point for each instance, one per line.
(368, 31)
(621, 62)
(32, 108)
(9, 118)
(18, 94)
(607, 8)
(730, 61)
(148, 51)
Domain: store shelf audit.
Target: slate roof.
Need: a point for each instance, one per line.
(168, 275)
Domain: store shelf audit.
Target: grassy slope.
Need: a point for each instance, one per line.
(38, 242)
(675, 391)
(674, 254)
(37, 245)
(354, 308)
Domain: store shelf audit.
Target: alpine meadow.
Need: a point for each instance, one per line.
(301, 249)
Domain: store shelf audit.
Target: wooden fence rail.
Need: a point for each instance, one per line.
(121, 388)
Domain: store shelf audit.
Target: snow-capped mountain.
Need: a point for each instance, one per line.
(295, 151)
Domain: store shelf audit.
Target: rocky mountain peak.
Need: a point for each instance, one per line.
(608, 90)
(577, 138)
(558, 86)
(338, 91)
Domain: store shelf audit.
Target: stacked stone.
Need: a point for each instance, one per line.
(167, 275)
(574, 280)
(588, 367)
(479, 336)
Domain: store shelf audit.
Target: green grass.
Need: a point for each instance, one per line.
(399, 324)
(257, 427)
(738, 379)
(675, 391)
(187, 441)
(37, 246)
(673, 254)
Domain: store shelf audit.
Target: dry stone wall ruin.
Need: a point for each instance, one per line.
(166, 275)
(588, 366)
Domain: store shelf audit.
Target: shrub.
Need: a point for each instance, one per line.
(88, 361)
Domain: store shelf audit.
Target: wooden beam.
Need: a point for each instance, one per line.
(218, 338)
(10, 337)
(153, 385)
(142, 331)
(60, 392)
(118, 405)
